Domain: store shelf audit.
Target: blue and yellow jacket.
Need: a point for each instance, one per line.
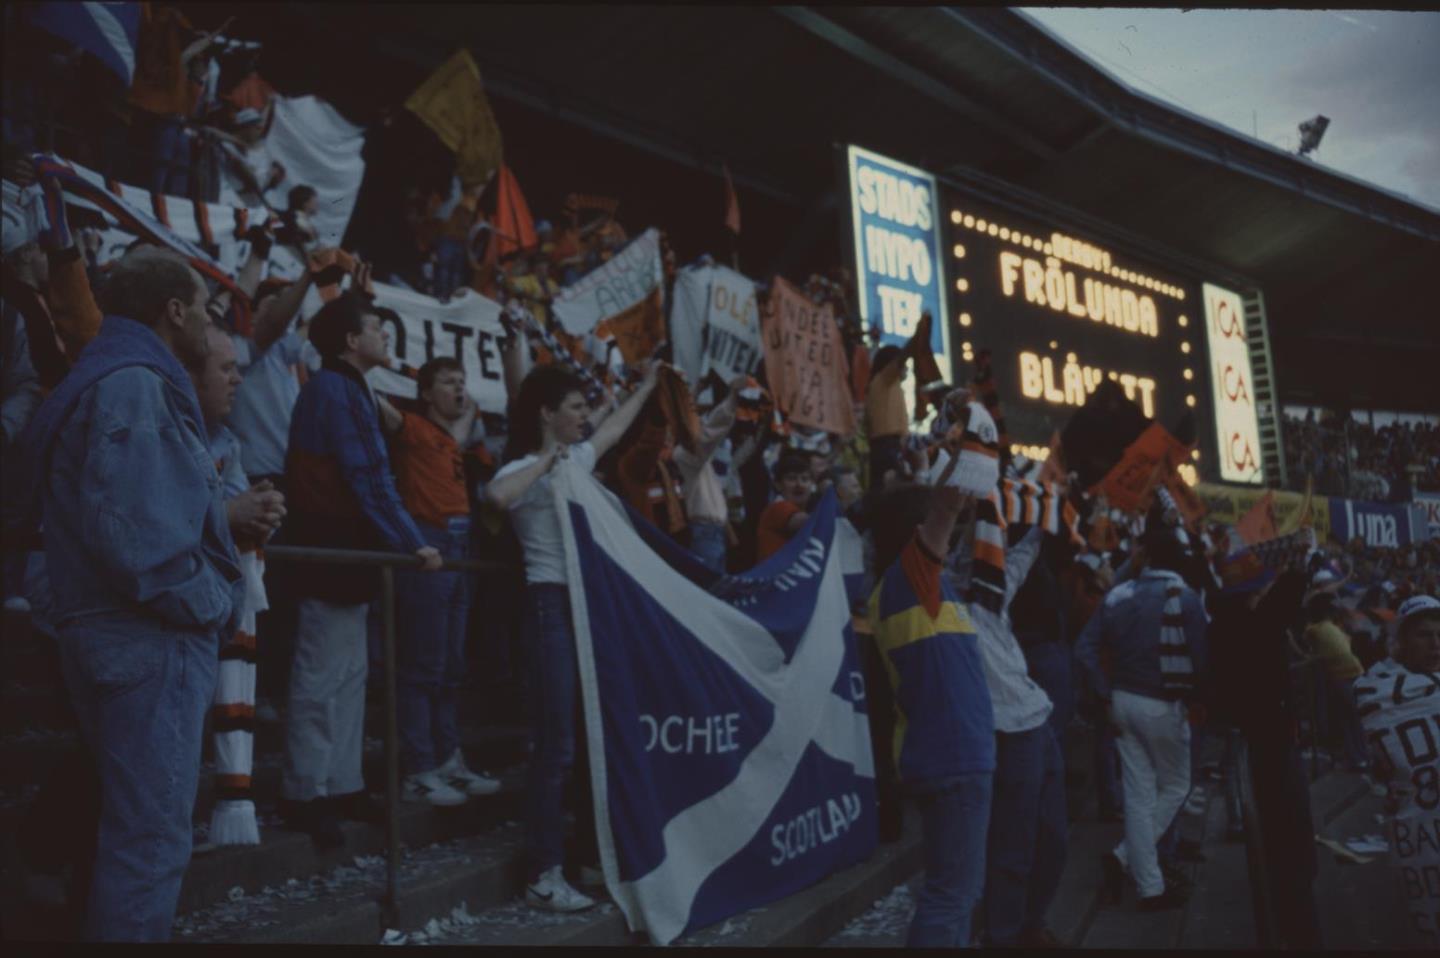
(944, 723)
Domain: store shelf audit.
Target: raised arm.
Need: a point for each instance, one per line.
(608, 433)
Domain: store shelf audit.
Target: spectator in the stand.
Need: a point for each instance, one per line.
(298, 220)
(547, 422)
(1154, 627)
(248, 161)
(432, 609)
(162, 93)
(705, 507)
(786, 515)
(342, 496)
(145, 577)
(1338, 671)
(945, 752)
(1396, 697)
(1027, 841)
(273, 359)
(887, 418)
(253, 513)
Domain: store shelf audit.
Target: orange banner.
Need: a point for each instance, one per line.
(805, 361)
(638, 329)
(1130, 483)
(1258, 525)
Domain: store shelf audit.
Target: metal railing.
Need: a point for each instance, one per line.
(387, 562)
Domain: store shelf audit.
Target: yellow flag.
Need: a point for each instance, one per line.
(452, 102)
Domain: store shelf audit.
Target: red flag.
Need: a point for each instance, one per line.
(514, 227)
(732, 204)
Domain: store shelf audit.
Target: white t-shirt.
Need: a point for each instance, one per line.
(537, 525)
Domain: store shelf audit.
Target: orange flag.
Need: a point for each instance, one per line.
(1131, 482)
(514, 227)
(1258, 525)
(638, 329)
(732, 204)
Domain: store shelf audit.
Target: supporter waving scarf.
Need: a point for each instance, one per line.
(148, 227)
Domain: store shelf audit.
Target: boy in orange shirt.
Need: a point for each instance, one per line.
(432, 609)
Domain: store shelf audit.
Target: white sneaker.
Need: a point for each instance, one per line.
(458, 776)
(553, 893)
(430, 787)
(17, 603)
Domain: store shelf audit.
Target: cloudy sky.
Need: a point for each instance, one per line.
(1375, 74)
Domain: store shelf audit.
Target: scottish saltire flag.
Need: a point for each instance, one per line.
(106, 31)
(729, 742)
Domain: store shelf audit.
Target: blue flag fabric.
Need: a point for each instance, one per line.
(729, 742)
(107, 31)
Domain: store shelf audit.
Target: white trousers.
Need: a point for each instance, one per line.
(325, 722)
(1154, 746)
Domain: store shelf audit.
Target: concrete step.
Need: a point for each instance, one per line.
(341, 905)
(806, 918)
(283, 855)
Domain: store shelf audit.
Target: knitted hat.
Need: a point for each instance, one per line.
(978, 470)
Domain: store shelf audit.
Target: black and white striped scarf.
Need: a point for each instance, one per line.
(1177, 672)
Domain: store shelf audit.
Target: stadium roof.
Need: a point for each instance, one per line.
(986, 98)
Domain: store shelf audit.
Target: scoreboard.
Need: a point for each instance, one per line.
(1061, 312)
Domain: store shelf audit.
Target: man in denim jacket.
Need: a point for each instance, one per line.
(145, 578)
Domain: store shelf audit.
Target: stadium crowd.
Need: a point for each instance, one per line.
(1358, 461)
(160, 443)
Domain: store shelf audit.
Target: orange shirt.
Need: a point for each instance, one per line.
(429, 471)
(771, 534)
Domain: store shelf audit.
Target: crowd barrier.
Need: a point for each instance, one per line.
(388, 562)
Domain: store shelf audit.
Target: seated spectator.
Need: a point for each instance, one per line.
(1339, 670)
(786, 515)
(432, 609)
(337, 478)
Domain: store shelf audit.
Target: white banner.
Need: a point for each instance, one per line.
(1232, 387)
(467, 327)
(630, 276)
(715, 323)
(318, 148)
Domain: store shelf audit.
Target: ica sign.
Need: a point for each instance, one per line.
(1237, 426)
(895, 214)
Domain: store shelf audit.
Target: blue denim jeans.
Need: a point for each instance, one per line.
(140, 693)
(707, 540)
(432, 612)
(1028, 832)
(554, 685)
(955, 815)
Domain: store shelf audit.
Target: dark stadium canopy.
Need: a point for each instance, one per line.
(983, 97)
